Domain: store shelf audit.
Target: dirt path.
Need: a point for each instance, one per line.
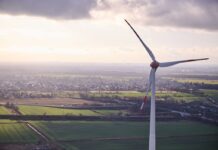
(46, 141)
(38, 132)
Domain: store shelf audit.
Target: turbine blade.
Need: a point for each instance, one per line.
(148, 88)
(167, 64)
(145, 46)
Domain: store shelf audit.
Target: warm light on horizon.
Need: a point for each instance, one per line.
(37, 39)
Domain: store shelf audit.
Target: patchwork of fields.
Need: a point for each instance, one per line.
(82, 135)
(195, 80)
(80, 130)
(16, 132)
(107, 135)
(4, 111)
(163, 95)
(49, 101)
(42, 110)
(211, 94)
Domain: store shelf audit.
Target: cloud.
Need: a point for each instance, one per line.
(198, 14)
(55, 9)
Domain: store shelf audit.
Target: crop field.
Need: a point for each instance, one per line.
(126, 144)
(14, 132)
(180, 143)
(195, 80)
(173, 95)
(98, 135)
(112, 112)
(4, 111)
(211, 93)
(49, 101)
(120, 94)
(74, 130)
(130, 94)
(42, 110)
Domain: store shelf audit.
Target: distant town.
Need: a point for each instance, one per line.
(183, 92)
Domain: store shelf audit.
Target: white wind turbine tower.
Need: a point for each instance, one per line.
(154, 65)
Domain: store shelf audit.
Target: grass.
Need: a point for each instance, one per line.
(190, 80)
(211, 93)
(181, 135)
(102, 129)
(50, 101)
(42, 110)
(184, 128)
(4, 111)
(112, 112)
(106, 145)
(13, 132)
(188, 143)
(7, 121)
(86, 130)
(184, 143)
(136, 94)
(173, 95)
(120, 94)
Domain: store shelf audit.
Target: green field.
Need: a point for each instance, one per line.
(178, 96)
(112, 112)
(181, 143)
(82, 135)
(195, 80)
(106, 145)
(13, 132)
(211, 93)
(164, 95)
(115, 94)
(86, 130)
(4, 111)
(42, 110)
(135, 94)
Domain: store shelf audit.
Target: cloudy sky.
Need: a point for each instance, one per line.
(94, 30)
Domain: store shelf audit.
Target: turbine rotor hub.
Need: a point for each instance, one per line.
(155, 64)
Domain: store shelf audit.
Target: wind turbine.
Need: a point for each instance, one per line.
(151, 84)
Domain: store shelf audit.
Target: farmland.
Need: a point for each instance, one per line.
(211, 93)
(103, 129)
(106, 145)
(195, 80)
(49, 101)
(163, 95)
(107, 135)
(111, 112)
(42, 110)
(76, 130)
(59, 105)
(16, 132)
(130, 94)
(129, 135)
(4, 110)
(180, 143)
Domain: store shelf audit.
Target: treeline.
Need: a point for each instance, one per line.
(25, 94)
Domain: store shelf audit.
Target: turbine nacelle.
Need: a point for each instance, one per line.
(151, 85)
(155, 64)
